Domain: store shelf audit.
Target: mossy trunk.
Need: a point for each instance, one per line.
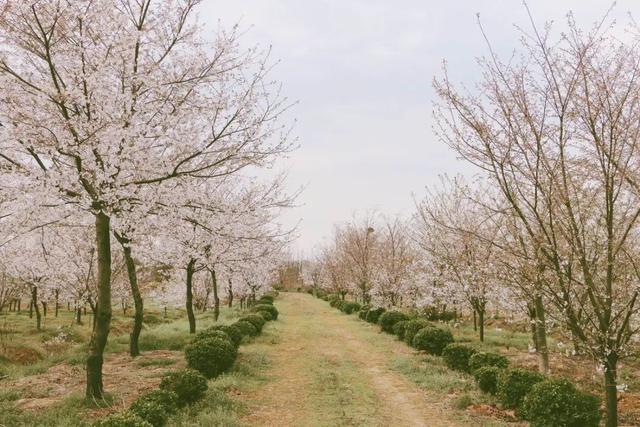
(138, 303)
(102, 314)
(189, 301)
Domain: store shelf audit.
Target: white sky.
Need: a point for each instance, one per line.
(362, 71)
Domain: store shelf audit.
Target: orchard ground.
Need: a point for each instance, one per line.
(313, 367)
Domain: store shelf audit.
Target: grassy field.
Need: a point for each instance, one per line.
(43, 371)
(314, 366)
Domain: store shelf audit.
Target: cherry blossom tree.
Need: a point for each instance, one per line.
(555, 131)
(104, 98)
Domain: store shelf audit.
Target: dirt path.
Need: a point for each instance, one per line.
(326, 370)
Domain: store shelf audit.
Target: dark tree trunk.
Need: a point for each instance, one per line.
(216, 300)
(102, 314)
(44, 308)
(541, 336)
(78, 316)
(57, 304)
(31, 307)
(475, 320)
(481, 313)
(611, 392)
(189, 304)
(138, 304)
(230, 292)
(19, 305)
(34, 305)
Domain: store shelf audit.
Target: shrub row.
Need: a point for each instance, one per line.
(211, 352)
(540, 400)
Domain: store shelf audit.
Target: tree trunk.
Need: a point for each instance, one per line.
(541, 336)
(34, 305)
(475, 320)
(190, 315)
(230, 292)
(102, 314)
(44, 308)
(611, 392)
(481, 323)
(138, 304)
(78, 316)
(31, 307)
(57, 304)
(216, 300)
(19, 305)
(531, 312)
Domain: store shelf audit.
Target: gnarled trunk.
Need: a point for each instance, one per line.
(102, 314)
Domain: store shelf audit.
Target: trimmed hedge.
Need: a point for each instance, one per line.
(482, 358)
(374, 314)
(189, 385)
(122, 419)
(559, 403)
(349, 307)
(487, 378)
(268, 317)
(211, 356)
(514, 384)
(256, 320)
(246, 328)
(213, 333)
(362, 314)
(266, 307)
(234, 333)
(388, 319)
(156, 406)
(456, 356)
(432, 340)
(266, 299)
(412, 327)
(398, 329)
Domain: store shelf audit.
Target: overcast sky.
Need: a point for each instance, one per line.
(362, 71)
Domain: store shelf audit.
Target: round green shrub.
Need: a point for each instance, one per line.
(362, 314)
(559, 403)
(188, 384)
(213, 332)
(514, 384)
(487, 378)
(211, 356)
(388, 319)
(374, 314)
(266, 299)
(266, 307)
(398, 329)
(350, 307)
(265, 315)
(334, 301)
(234, 333)
(246, 328)
(432, 340)
(122, 419)
(457, 356)
(256, 320)
(412, 327)
(340, 304)
(482, 358)
(155, 407)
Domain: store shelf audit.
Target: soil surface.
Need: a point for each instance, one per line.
(317, 348)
